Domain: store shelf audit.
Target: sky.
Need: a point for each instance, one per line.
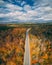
(32, 11)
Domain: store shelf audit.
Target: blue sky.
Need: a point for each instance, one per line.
(25, 11)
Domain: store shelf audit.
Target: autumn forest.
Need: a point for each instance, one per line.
(12, 44)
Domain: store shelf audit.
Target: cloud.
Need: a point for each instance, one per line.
(40, 11)
(27, 8)
(45, 13)
(11, 14)
(17, 14)
(47, 17)
(13, 7)
(23, 3)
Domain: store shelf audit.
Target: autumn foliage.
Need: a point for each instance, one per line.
(41, 45)
(12, 43)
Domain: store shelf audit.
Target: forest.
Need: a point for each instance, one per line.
(12, 44)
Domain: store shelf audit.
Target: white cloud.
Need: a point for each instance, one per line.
(45, 13)
(43, 9)
(47, 17)
(13, 7)
(1, 1)
(17, 13)
(23, 3)
(27, 8)
(11, 14)
(33, 13)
